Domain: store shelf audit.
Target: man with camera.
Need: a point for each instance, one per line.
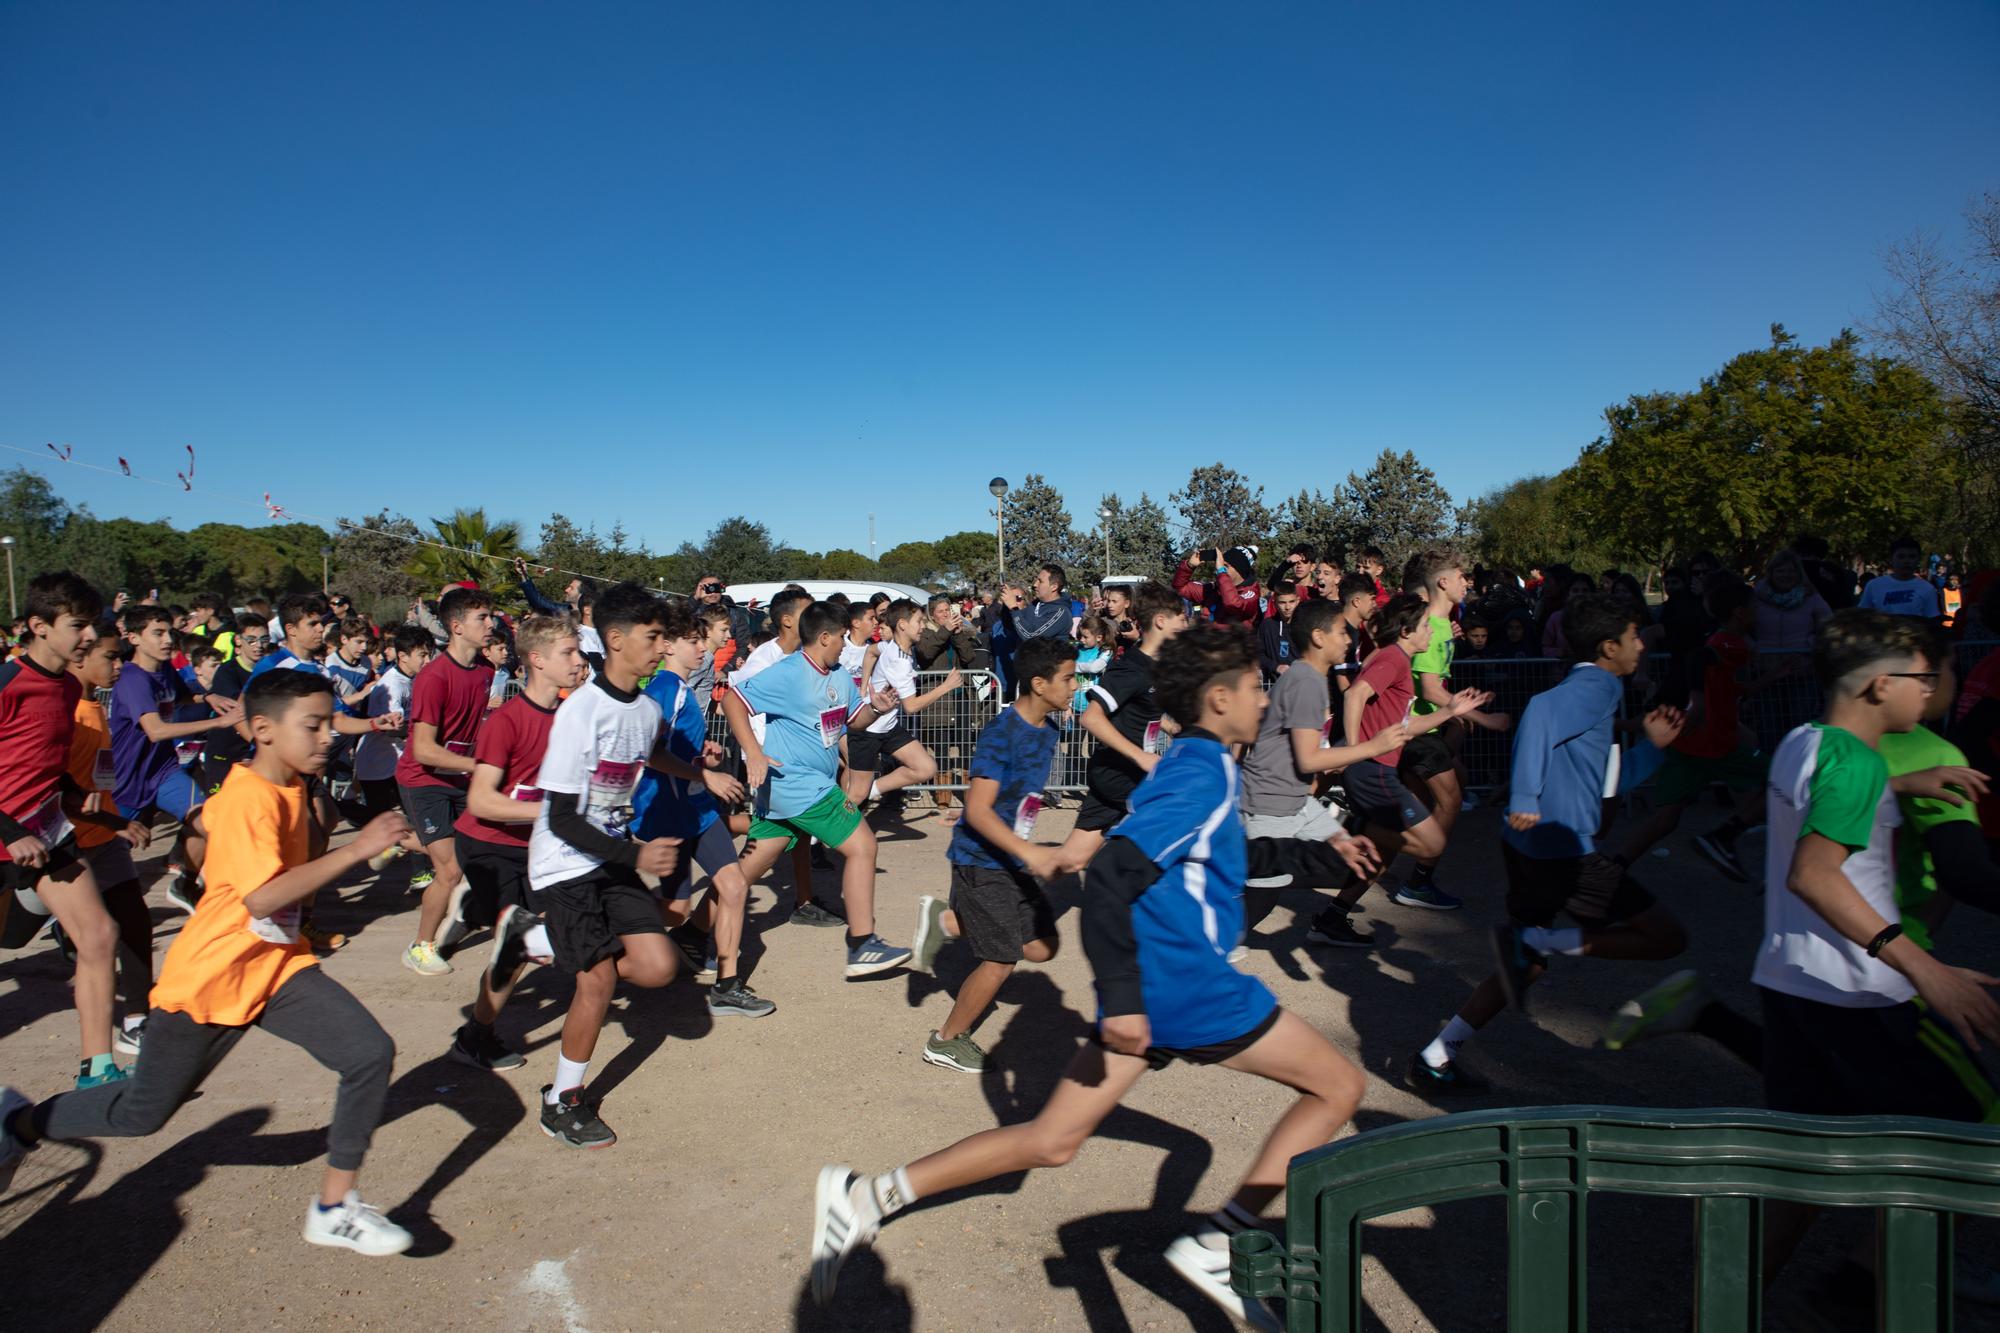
(1232, 597)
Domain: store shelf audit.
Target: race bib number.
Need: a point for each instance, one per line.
(608, 804)
(49, 823)
(187, 752)
(1024, 817)
(857, 685)
(103, 773)
(523, 792)
(1156, 738)
(281, 927)
(832, 726)
(458, 747)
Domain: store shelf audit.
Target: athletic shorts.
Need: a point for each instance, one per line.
(1312, 821)
(61, 856)
(711, 851)
(1684, 777)
(587, 915)
(1159, 1057)
(999, 911)
(1095, 814)
(1434, 752)
(868, 751)
(1381, 797)
(380, 795)
(432, 811)
(1594, 889)
(111, 863)
(496, 878)
(1826, 1059)
(832, 819)
(178, 797)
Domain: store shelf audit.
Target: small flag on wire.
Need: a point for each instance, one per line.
(276, 511)
(62, 453)
(124, 466)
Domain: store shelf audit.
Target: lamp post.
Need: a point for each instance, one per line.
(1104, 520)
(12, 609)
(999, 488)
(325, 569)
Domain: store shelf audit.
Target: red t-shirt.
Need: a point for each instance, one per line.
(1722, 695)
(37, 719)
(513, 740)
(451, 698)
(1388, 671)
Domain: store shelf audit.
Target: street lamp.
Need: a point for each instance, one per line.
(999, 488)
(12, 610)
(325, 569)
(1104, 520)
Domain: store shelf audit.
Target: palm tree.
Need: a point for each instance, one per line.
(479, 550)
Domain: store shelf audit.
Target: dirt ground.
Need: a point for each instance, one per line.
(700, 1216)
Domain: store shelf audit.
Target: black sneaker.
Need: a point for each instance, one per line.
(1722, 855)
(812, 914)
(692, 944)
(482, 1049)
(510, 948)
(573, 1122)
(1332, 927)
(1446, 1080)
(733, 998)
(1512, 961)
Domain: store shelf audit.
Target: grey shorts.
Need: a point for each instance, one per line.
(1311, 821)
(712, 851)
(999, 911)
(432, 811)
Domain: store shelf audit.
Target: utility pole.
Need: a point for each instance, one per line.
(871, 536)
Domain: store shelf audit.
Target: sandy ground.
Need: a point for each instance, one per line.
(699, 1217)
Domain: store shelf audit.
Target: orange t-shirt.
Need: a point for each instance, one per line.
(90, 767)
(226, 965)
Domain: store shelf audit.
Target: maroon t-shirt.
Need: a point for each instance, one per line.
(513, 740)
(451, 698)
(1387, 670)
(37, 718)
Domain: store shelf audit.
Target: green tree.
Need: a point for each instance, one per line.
(115, 554)
(1038, 527)
(238, 562)
(1141, 542)
(467, 546)
(967, 559)
(739, 551)
(1399, 506)
(371, 557)
(1530, 522)
(1331, 525)
(1219, 507)
(35, 517)
(844, 564)
(911, 562)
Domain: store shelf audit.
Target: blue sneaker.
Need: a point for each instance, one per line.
(111, 1074)
(1426, 895)
(1445, 1080)
(873, 955)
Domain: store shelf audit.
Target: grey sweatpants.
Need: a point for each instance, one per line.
(311, 1010)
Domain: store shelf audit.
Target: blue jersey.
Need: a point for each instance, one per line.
(1017, 754)
(1184, 818)
(805, 713)
(346, 680)
(670, 807)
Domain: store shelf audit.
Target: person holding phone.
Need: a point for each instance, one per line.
(1233, 596)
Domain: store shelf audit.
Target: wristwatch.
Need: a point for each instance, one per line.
(1876, 945)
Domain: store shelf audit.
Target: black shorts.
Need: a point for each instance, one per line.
(868, 751)
(711, 851)
(1434, 752)
(1095, 814)
(61, 856)
(1594, 889)
(432, 811)
(380, 795)
(496, 878)
(1159, 1057)
(586, 915)
(1381, 797)
(1826, 1059)
(999, 911)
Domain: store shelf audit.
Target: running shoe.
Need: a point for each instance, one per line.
(111, 1074)
(422, 880)
(126, 1040)
(734, 999)
(930, 936)
(322, 941)
(422, 958)
(1449, 1079)
(456, 927)
(961, 1053)
(845, 1217)
(385, 858)
(510, 945)
(874, 954)
(354, 1225)
(812, 914)
(1426, 895)
(1512, 961)
(1671, 1006)
(1207, 1268)
(1333, 928)
(482, 1048)
(184, 893)
(11, 1148)
(693, 945)
(1722, 855)
(573, 1122)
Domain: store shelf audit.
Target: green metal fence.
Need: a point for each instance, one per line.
(1547, 1163)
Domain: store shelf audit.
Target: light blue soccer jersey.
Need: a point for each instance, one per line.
(806, 712)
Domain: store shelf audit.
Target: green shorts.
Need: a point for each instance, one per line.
(832, 819)
(1684, 777)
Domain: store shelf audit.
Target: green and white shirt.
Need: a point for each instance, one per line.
(1824, 780)
(1916, 880)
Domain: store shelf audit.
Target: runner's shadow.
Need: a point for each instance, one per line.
(864, 1302)
(679, 1009)
(491, 1109)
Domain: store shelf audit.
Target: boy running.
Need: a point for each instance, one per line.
(1163, 911)
(997, 906)
(887, 738)
(239, 963)
(602, 922)
(786, 608)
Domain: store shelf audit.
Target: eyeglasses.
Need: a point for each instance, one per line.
(253, 638)
(1927, 681)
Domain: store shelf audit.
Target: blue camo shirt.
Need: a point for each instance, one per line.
(1184, 817)
(795, 695)
(1018, 755)
(670, 807)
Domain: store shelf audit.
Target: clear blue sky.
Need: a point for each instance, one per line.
(667, 263)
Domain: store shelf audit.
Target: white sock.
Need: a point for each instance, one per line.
(874, 791)
(1444, 1047)
(892, 1191)
(537, 943)
(1545, 939)
(569, 1074)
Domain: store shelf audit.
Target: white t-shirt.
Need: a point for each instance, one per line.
(375, 757)
(895, 670)
(598, 746)
(1900, 597)
(762, 658)
(1824, 780)
(851, 656)
(589, 642)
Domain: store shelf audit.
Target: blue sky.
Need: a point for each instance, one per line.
(661, 264)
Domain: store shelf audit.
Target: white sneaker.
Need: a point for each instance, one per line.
(845, 1217)
(423, 959)
(353, 1225)
(1208, 1269)
(125, 1040)
(385, 858)
(455, 928)
(11, 1148)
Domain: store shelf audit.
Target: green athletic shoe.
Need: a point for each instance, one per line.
(422, 880)
(1671, 1006)
(961, 1053)
(111, 1074)
(930, 932)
